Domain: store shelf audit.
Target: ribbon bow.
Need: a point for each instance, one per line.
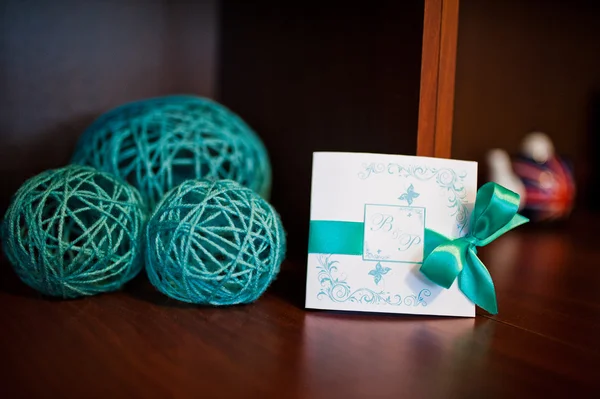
(445, 259)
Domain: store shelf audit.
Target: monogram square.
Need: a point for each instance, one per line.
(394, 233)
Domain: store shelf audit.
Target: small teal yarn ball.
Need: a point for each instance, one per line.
(74, 231)
(158, 143)
(214, 243)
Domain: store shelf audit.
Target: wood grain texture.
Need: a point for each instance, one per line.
(438, 63)
(138, 344)
(447, 65)
(546, 284)
(430, 59)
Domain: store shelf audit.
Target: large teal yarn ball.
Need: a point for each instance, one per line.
(74, 231)
(214, 243)
(157, 144)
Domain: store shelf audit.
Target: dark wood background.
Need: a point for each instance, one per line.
(307, 76)
(328, 76)
(525, 66)
(64, 62)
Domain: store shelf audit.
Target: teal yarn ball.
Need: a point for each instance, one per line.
(214, 243)
(158, 143)
(74, 231)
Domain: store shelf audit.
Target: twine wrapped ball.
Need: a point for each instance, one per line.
(74, 231)
(158, 143)
(214, 243)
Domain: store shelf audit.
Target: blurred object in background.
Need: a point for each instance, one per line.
(590, 189)
(501, 171)
(548, 180)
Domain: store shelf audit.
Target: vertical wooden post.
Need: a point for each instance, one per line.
(438, 67)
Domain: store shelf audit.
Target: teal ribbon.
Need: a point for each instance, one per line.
(445, 259)
(332, 237)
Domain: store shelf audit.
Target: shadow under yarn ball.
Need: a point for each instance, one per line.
(74, 231)
(158, 143)
(214, 243)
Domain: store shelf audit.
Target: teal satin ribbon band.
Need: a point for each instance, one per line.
(445, 259)
(331, 237)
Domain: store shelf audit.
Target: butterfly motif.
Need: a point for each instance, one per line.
(378, 272)
(409, 195)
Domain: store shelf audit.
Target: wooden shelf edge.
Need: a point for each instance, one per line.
(438, 66)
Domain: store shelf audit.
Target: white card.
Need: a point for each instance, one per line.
(368, 217)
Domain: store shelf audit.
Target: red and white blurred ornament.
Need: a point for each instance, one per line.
(548, 181)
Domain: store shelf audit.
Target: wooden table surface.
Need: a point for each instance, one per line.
(139, 344)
